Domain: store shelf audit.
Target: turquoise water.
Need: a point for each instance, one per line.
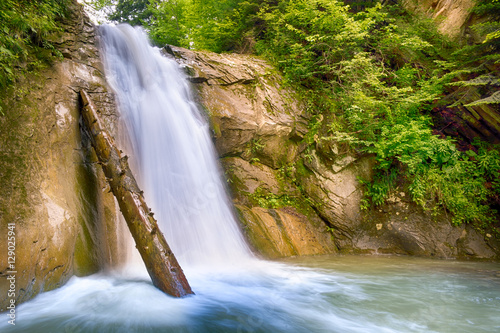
(312, 294)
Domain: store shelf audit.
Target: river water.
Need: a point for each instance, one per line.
(313, 294)
(176, 165)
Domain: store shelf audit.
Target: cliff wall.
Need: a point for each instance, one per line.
(53, 192)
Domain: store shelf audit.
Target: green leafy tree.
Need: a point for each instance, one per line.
(133, 12)
(168, 24)
(212, 24)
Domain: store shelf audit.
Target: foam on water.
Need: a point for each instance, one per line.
(325, 294)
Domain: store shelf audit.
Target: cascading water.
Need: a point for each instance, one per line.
(176, 161)
(177, 170)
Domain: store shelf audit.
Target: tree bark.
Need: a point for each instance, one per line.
(162, 266)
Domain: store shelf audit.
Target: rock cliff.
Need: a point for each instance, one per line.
(51, 188)
(302, 197)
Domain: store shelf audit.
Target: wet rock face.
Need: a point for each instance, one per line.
(258, 129)
(52, 189)
(335, 190)
(401, 227)
(285, 232)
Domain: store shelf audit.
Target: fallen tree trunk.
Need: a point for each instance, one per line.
(162, 266)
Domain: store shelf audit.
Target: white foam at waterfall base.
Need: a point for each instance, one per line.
(174, 157)
(339, 294)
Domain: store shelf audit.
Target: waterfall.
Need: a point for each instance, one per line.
(175, 160)
(177, 167)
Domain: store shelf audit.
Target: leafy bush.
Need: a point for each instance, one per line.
(435, 173)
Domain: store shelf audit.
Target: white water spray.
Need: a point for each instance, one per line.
(171, 145)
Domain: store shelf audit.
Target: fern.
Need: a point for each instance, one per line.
(493, 99)
(24, 27)
(487, 79)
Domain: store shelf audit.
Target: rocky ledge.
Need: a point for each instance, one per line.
(295, 198)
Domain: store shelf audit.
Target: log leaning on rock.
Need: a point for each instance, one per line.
(162, 266)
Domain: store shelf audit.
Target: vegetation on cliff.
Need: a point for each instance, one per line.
(25, 26)
(375, 75)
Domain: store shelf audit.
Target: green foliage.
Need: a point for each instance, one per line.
(133, 12)
(25, 25)
(435, 173)
(266, 199)
(380, 75)
(256, 145)
(167, 25)
(253, 147)
(99, 10)
(487, 79)
(99, 4)
(492, 99)
(487, 7)
(211, 25)
(378, 190)
(350, 58)
(480, 58)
